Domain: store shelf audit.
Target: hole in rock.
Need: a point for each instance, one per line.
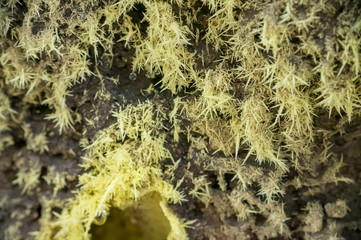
(144, 220)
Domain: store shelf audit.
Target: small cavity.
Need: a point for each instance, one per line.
(145, 220)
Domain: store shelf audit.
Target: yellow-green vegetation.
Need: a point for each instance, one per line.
(122, 166)
(247, 79)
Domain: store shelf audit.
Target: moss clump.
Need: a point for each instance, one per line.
(122, 165)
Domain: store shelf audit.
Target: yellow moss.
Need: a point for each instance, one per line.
(313, 219)
(28, 175)
(238, 200)
(122, 166)
(222, 23)
(13, 232)
(277, 218)
(338, 209)
(164, 47)
(36, 143)
(200, 187)
(57, 178)
(258, 132)
(215, 97)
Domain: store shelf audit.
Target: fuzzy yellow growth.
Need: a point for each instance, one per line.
(245, 205)
(313, 219)
(278, 218)
(47, 215)
(215, 97)
(164, 48)
(13, 232)
(15, 70)
(39, 41)
(237, 199)
(271, 186)
(177, 110)
(28, 176)
(5, 21)
(58, 178)
(338, 92)
(5, 108)
(290, 77)
(220, 139)
(296, 129)
(222, 23)
(36, 143)
(200, 187)
(122, 166)
(338, 209)
(274, 65)
(258, 133)
(5, 113)
(209, 110)
(301, 21)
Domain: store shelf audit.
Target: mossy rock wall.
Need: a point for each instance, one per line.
(199, 119)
